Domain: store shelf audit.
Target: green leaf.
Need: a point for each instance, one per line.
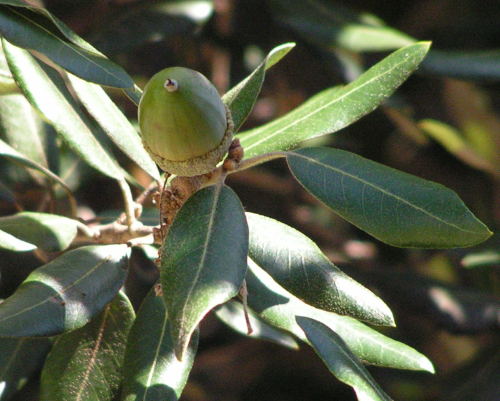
(114, 123)
(330, 25)
(20, 359)
(335, 108)
(26, 31)
(85, 365)
(50, 232)
(243, 96)
(22, 128)
(278, 307)
(11, 243)
(233, 315)
(151, 372)
(339, 359)
(12, 154)
(203, 260)
(298, 265)
(478, 65)
(65, 293)
(46, 98)
(395, 207)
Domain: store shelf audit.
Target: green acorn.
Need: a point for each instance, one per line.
(185, 127)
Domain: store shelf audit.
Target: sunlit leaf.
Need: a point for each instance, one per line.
(335, 108)
(114, 123)
(397, 208)
(339, 359)
(280, 308)
(203, 260)
(23, 30)
(86, 364)
(46, 98)
(151, 371)
(50, 232)
(242, 97)
(11, 243)
(298, 265)
(65, 293)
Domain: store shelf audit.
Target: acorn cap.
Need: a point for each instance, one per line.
(185, 126)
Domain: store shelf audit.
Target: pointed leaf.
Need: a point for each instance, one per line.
(23, 30)
(233, 315)
(336, 108)
(339, 359)
(85, 365)
(278, 307)
(11, 243)
(298, 265)
(12, 154)
(114, 123)
(20, 358)
(394, 207)
(203, 260)
(50, 232)
(65, 293)
(151, 372)
(46, 98)
(242, 97)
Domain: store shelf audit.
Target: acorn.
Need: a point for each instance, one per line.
(185, 126)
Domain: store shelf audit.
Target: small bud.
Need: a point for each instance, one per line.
(185, 127)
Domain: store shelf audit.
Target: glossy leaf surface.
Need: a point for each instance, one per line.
(203, 260)
(50, 102)
(11, 243)
(151, 371)
(85, 364)
(298, 265)
(25, 31)
(335, 108)
(243, 96)
(20, 358)
(233, 314)
(65, 293)
(114, 123)
(50, 232)
(339, 359)
(278, 307)
(396, 208)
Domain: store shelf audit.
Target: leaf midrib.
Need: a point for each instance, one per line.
(385, 192)
(75, 49)
(63, 290)
(333, 101)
